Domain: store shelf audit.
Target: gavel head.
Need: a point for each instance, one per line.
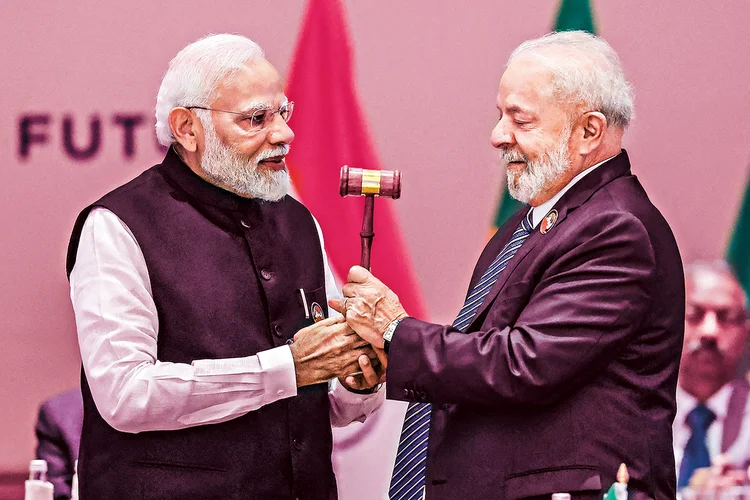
(361, 182)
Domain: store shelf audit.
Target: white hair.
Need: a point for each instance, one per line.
(585, 71)
(196, 71)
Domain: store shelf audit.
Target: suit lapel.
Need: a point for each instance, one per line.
(531, 242)
(572, 199)
(495, 245)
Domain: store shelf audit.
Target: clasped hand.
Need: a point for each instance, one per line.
(329, 349)
(369, 306)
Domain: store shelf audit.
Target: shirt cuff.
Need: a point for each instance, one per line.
(280, 379)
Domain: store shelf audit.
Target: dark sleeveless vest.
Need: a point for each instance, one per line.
(225, 273)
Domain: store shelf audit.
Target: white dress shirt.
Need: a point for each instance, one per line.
(738, 453)
(118, 327)
(540, 211)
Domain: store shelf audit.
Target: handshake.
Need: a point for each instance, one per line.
(350, 348)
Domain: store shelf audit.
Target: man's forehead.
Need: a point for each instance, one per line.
(525, 84)
(714, 288)
(256, 84)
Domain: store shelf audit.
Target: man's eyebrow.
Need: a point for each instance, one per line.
(256, 106)
(518, 109)
(260, 106)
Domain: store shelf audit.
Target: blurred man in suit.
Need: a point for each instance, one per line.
(58, 434)
(562, 363)
(713, 416)
(210, 368)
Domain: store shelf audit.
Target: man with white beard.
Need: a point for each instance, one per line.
(562, 363)
(199, 290)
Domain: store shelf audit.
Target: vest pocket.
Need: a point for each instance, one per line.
(181, 481)
(548, 481)
(178, 466)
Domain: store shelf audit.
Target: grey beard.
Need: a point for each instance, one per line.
(540, 173)
(228, 169)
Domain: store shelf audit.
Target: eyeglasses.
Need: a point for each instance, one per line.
(259, 118)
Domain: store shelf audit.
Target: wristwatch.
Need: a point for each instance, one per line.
(388, 333)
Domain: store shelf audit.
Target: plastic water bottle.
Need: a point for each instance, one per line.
(561, 496)
(37, 487)
(74, 485)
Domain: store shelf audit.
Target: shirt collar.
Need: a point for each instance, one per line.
(717, 403)
(539, 212)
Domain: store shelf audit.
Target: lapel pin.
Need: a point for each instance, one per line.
(548, 222)
(317, 312)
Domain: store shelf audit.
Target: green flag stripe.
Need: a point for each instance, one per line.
(738, 252)
(571, 15)
(508, 206)
(575, 15)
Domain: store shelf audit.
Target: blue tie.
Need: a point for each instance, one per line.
(408, 480)
(696, 453)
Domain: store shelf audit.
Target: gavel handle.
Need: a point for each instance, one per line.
(367, 233)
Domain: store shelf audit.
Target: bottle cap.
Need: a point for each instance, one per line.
(38, 466)
(38, 470)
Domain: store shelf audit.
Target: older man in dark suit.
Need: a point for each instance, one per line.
(58, 434)
(562, 363)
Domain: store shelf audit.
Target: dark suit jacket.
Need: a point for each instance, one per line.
(569, 367)
(58, 433)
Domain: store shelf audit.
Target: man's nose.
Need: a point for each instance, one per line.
(279, 131)
(709, 328)
(501, 135)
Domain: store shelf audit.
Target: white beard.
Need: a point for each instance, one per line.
(227, 168)
(540, 173)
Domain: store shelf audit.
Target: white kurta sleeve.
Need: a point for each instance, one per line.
(346, 406)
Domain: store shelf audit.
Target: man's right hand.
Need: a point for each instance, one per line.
(326, 350)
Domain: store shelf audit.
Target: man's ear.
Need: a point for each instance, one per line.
(594, 124)
(185, 127)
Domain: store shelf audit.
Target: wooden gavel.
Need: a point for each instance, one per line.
(369, 183)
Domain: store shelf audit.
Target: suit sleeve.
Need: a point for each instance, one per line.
(588, 304)
(51, 446)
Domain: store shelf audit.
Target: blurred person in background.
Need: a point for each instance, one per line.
(199, 288)
(713, 409)
(562, 363)
(58, 434)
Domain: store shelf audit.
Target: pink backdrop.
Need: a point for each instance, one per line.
(427, 75)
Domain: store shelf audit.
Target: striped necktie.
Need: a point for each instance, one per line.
(408, 479)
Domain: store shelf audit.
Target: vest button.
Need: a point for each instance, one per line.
(245, 224)
(277, 330)
(266, 274)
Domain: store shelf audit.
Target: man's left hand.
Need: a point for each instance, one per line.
(368, 305)
(373, 373)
